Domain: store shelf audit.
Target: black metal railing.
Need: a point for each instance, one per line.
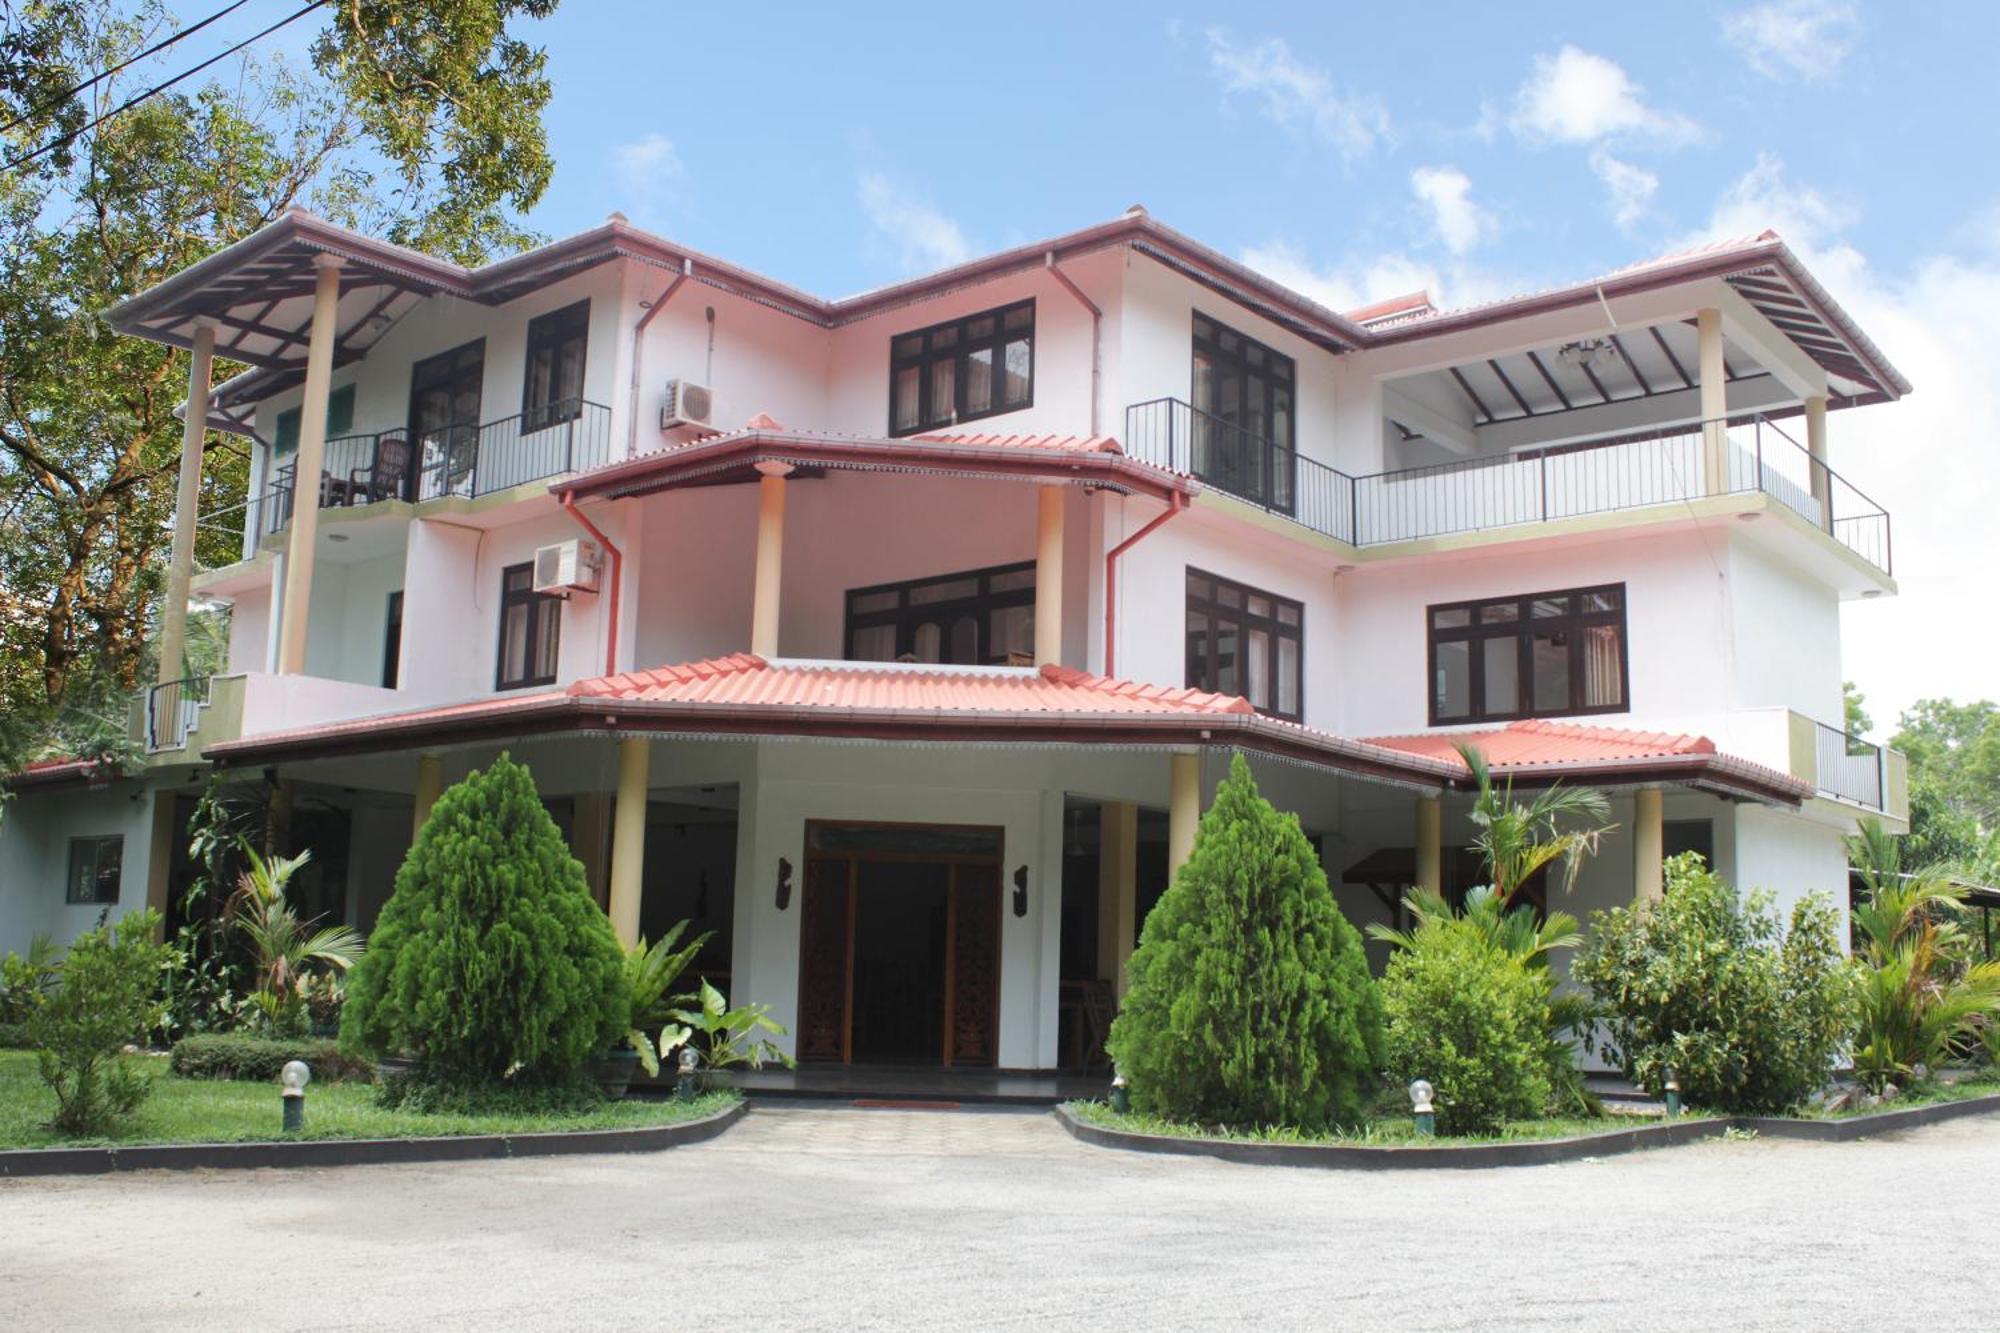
(1530, 486)
(172, 708)
(1849, 767)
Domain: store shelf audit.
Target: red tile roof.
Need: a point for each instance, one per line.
(1081, 444)
(1526, 744)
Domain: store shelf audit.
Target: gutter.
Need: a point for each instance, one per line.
(1096, 335)
(616, 575)
(639, 351)
(1176, 505)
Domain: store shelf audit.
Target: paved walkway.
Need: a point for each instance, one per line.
(841, 1219)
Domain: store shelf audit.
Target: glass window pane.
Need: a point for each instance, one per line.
(944, 339)
(907, 347)
(1502, 660)
(979, 328)
(1260, 605)
(1019, 373)
(927, 642)
(963, 650)
(944, 399)
(873, 643)
(1010, 580)
(1288, 614)
(1603, 667)
(979, 381)
(1593, 602)
(1453, 617)
(1288, 677)
(943, 590)
(1020, 317)
(887, 600)
(1451, 691)
(514, 643)
(1257, 667)
(1010, 633)
(1500, 613)
(548, 632)
(1545, 607)
(1199, 586)
(906, 398)
(1551, 667)
(1228, 594)
(1228, 678)
(1198, 676)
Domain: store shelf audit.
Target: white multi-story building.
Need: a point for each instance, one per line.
(898, 639)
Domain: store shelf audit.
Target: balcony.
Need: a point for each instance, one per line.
(1629, 472)
(1849, 768)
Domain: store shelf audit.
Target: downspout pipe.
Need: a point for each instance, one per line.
(639, 351)
(616, 575)
(1096, 334)
(1177, 504)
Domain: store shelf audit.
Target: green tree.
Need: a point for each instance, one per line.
(1954, 754)
(490, 961)
(1516, 838)
(1852, 701)
(107, 993)
(1250, 999)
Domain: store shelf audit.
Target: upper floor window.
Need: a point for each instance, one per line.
(530, 630)
(339, 420)
(553, 389)
(1242, 641)
(981, 617)
(1245, 430)
(94, 868)
(1549, 654)
(974, 367)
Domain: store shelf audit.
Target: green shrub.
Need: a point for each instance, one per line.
(1250, 1000)
(23, 981)
(1703, 982)
(489, 961)
(1472, 1019)
(257, 1059)
(428, 1092)
(14, 1037)
(108, 993)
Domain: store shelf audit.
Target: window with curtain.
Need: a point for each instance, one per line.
(553, 389)
(530, 630)
(1548, 654)
(979, 617)
(979, 366)
(1243, 641)
(95, 866)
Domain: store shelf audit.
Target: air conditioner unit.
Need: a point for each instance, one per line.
(567, 567)
(686, 404)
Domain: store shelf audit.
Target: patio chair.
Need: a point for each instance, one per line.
(385, 478)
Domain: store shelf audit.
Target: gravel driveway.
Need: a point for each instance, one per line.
(840, 1218)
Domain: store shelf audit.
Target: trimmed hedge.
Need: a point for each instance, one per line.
(256, 1059)
(14, 1037)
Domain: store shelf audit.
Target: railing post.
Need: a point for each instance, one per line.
(1354, 511)
(1757, 435)
(1542, 459)
(569, 443)
(1173, 461)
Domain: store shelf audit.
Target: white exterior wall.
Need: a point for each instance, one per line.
(34, 858)
(1790, 856)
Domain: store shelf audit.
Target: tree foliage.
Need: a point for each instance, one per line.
(1954, 754)
(107, 993)
(1250, 1000)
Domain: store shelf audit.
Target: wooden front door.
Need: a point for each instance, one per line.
(930, 891)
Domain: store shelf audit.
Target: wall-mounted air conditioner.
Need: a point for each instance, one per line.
(567, 567)
(686, 404)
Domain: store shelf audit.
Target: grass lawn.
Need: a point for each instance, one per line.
(1379, 1131)
(184, 1110)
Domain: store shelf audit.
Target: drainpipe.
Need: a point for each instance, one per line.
(615, 574)
(1175, 505)
(1096, 333)
(639, 351)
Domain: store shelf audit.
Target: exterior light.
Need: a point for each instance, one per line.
(1673, 1092)
(1121, 1096)
(684, 1085)
(293, 1078)
(1587, 352)
(1420, 1103)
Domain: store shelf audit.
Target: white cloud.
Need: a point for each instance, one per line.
(1364, 280)
(1631, 189)
(1447, 191)
(1576, 97)
(649, 171)
(1805, 39)
(1300, 97)
(923, 238)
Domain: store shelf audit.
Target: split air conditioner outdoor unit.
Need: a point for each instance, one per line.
(686, 404)
(567, 567)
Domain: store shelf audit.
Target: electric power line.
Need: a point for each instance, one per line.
(121, 66)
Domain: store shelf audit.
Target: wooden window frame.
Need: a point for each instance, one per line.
(392, 639)
(339, 421)
(906, 615)
(959, 351)
(1207, 677)
(551, 330)
(539, 604)
(1522, 628)
(94, 845)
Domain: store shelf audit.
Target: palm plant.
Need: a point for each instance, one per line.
(285, 950)
(1517, 840)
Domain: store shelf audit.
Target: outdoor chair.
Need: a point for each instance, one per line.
(386, 477)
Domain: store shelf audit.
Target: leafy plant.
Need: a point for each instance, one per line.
(728, 1037)
(107, 994)
(24, 981)
(1517, 840)
(286, 952)
(1250, 1000)
(250, 1057)
(649, 974)
(1705, 982)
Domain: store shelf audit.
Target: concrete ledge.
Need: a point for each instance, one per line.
(361, 1152)
(1849, 1129)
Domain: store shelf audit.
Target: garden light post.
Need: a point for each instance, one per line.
(684, 1085)
(1673, 1091)
(1420, 1104)
(294, 1076)
(1121, 1096)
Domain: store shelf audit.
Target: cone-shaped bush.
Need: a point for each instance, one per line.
(490, 958)
(1250, 1000)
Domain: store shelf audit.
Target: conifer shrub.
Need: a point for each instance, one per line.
(1250, 1001)
(490, 962)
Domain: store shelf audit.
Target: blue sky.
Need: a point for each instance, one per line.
(1359, 151)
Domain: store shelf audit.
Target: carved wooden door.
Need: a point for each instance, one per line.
(972, 968)
(826, 958)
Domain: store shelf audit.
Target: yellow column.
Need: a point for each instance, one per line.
(307, 465)
(1049, 576)
(1714, 385)
(1648, 845)
(1183, 809)
(430, 783)
(1822, 483)
(770, 558)
(1430, 844)
(628, 839)
(187, 505)
(586, 840)
(1117, 889)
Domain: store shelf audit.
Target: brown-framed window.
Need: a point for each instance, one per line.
(392, 640)
(1245, 430)
(1547, 654)
(553, 389)
(978, 617)
(530, 630)
(1241, 640)
(964, 369)
(95, 866)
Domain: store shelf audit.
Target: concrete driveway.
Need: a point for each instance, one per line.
(842, 1219)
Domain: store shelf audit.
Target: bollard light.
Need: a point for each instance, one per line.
(1673, 1091)
(1121, 1096)
(293, 1078)
(1420, 1105)
(684, 1085)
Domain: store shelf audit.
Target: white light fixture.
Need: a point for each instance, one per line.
(294, 1076)
(1588, 352)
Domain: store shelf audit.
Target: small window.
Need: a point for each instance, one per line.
(339, 420)
(553, 391)
(530, 630)
(1550, 654)
(392, 640)
(1242, 641)
(979, 366)
(94, 868)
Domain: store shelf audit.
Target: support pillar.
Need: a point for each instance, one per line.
(1049, 575)
(307, 465)
(430, 784)
(1430, 844)
(1648, 845)
(770, 558)
(1117, 890)
(1822, 480)
(187, 506)
(1183, 809)
(1714, 385)
(628, 839)
(589, 834)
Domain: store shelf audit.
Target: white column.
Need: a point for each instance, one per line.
(628, 839)
(1648, 845)
(1049, 575)
(307, 465)
(187, 506)
(1714, 385)
(770, 558)
(1822, 482)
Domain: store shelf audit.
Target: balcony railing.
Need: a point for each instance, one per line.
(1849, 767)
(1531, 486)
(172, 709)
